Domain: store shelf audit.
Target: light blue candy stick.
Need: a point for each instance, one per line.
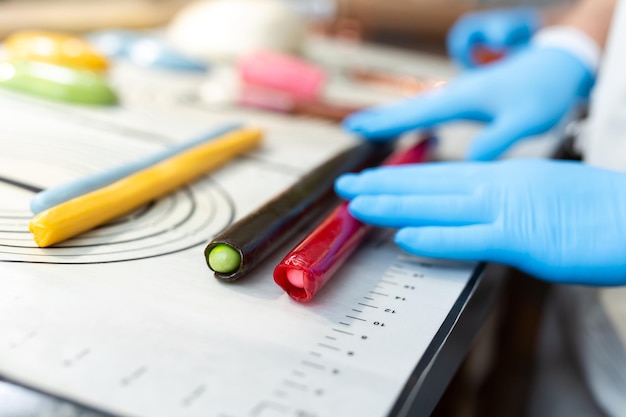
(143, 50)
(153, 53)
(64, 192)
(114, 43)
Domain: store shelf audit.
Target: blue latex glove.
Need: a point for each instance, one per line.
(560, 221)
(496, 30)
(523, 95)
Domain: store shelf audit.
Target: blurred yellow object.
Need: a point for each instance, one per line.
(54, 48)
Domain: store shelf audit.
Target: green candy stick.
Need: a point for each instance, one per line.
(55, 82)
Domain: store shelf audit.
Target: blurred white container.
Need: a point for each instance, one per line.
(223, 30)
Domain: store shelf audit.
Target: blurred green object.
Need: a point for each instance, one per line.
(56, 82)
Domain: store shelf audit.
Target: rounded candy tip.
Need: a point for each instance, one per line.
(224, 259)
(296, 277)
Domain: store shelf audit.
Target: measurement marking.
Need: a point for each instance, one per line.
(20, 184)
(83, 353)
(358, 311)
(280, 394)
(331, 337)
(194, 395)
(79, 356)
(316, 354)
(26, 338)
(389, 282)
(369, 298)
(355, 318)
(345, 324)
(133, 376)
(328, 346)
(260, 407)
(367, 305)
(295, 385)
(379, 293)
(343, 331)
(412, 262)
(314, 365)
(402, 272)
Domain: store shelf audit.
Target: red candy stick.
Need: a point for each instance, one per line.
(305, 270)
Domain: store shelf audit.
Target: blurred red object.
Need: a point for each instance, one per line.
(483, 55)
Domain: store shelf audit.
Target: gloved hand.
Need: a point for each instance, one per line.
(499, 30)
(560, 221)
(523, 95)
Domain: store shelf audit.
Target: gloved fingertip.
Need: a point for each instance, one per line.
(485, 148)
(464, 61)
(480, 155)
(363, 126)
(358, 205)
(460, 54)
(406, 240)
(372, 131)
(345, 185)
(461, 45)
(363, 207)
(352, 123)
(465, 57)
(401, 237)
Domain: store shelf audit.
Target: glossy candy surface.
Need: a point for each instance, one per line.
(262, 232)
(314, 261)
(83, 213)
(63, 192)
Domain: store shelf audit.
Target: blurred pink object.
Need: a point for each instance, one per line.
(286, 73)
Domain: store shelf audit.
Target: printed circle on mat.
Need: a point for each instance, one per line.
(178, 221)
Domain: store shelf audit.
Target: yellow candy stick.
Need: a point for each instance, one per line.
(83, 213)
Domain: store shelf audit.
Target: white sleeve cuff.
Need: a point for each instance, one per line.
(572, 40)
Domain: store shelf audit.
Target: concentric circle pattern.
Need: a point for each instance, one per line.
(181, 220)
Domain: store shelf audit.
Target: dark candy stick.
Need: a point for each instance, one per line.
(244, 244)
